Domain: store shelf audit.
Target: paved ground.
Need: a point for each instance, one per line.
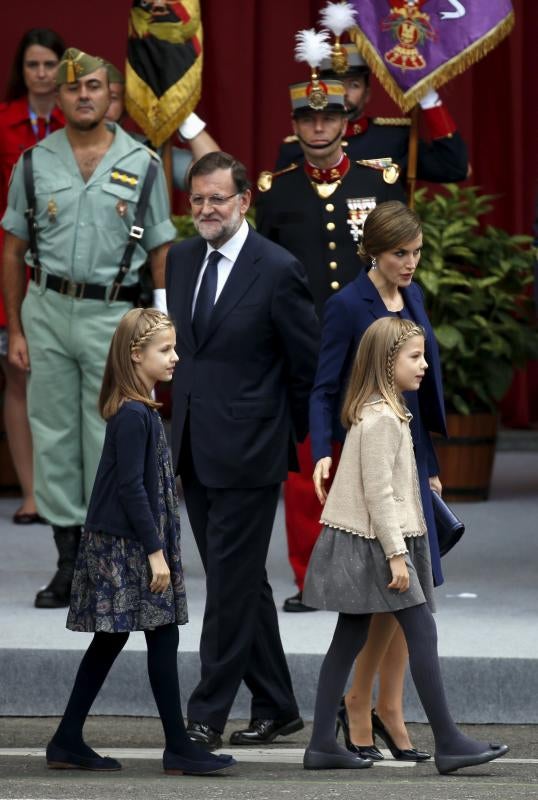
(271, 774)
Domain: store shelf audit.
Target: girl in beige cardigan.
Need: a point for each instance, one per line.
(372, 555)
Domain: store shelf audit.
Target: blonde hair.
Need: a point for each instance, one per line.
(388, 226)
(120, 382)
(373, 367)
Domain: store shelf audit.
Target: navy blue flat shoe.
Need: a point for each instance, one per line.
(177, 765)
(58, 758)
(446, 764)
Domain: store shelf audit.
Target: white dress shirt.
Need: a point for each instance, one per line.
(229, 251)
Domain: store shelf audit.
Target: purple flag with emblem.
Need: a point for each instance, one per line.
(414, 45)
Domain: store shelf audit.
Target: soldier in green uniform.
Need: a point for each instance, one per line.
(87, 180)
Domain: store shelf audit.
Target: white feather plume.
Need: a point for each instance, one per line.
(338, 17)
(312, 46)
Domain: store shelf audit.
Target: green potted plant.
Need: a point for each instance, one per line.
(476, 283)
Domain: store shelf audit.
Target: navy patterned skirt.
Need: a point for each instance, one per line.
(110, 591)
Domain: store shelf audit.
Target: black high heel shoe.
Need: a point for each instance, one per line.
(411, 754)
(364, 751)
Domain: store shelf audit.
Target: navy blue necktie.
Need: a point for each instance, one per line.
(206, 297)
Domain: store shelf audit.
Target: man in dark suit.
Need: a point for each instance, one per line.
(248, 340)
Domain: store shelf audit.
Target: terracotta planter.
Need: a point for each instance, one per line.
(466, 458)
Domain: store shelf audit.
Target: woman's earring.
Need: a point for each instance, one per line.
(374, 263)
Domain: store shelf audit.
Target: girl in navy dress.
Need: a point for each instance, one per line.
(128, 574)
(373, 554)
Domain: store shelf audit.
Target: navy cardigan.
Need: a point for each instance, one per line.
(125, 495)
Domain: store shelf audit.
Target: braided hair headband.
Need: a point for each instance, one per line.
(161, 324)
(416, 330)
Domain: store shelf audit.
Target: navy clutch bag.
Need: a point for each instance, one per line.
(450, 529)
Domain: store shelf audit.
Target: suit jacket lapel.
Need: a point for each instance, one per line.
(194, 265)
(371, 296)
(243, 274)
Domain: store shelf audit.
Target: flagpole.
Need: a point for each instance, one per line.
(168, 167)
(412, 156)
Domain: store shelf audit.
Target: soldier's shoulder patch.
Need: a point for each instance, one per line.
(124, 178)
(290, 139)
(266, 178)
(394, 121)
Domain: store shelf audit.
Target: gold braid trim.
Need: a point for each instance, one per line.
(444, 73)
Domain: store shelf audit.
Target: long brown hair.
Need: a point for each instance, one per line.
(45, 37)
(373, 368)
(120, 381)
(387, 227)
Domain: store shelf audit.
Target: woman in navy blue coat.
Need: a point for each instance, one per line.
(392, 243)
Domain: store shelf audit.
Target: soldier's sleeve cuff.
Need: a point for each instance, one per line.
(439, 122)
(15, 223)
(159, 234)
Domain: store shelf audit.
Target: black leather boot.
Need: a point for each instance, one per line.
(57, 593)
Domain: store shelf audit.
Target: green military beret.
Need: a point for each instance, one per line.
(114, 75)
(75, 65)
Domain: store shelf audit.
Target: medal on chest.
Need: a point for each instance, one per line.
(121, 208)
(52, 209)
(358, 209)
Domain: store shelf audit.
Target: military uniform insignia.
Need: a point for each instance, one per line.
(124, 178)
(52, 209)
(265, 178)
(391, 171)
(121, 208)
(358, 210)
(403, 121)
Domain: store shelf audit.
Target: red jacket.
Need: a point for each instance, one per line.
(16, 135)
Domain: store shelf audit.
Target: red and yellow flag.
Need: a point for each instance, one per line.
(164, 65)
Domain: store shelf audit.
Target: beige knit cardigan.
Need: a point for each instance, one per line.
(375, 492)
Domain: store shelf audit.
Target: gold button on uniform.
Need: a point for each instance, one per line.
(332, 245)
(333, 264)
(331, 226)
(335, 285)
(329, 207)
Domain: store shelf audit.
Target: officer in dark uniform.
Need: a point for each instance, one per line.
(316, 209)
(442, 160)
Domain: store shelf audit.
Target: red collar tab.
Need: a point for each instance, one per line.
(329, 175)
(356, 126)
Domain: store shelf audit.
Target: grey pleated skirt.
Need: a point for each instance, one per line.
(349, 573)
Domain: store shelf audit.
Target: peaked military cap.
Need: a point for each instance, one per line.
(76, 64)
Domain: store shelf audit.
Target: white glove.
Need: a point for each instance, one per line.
(159, 300)
(191, 127)
(430, 100)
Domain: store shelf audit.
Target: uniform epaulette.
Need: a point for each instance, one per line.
(289, 139)
(265, 179)
(403, 121)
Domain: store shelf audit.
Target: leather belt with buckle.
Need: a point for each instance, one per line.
(85, 291)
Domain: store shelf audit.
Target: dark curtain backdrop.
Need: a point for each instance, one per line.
(248, 47)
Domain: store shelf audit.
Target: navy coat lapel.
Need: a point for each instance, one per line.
(376, 306)
(242, 276)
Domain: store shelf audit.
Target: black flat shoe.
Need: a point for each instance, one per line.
(315, 760)
(362, 750)
(174, 764)
(21, 518)
(411, 754)
(295, 604)
(58, 758)
(446, 764)
(204, 735)
(265, 731)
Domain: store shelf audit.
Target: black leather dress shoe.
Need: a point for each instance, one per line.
(411, 754)
(446, 764)
(204, 735)
(295, 604)
(58, 758)
(265, 731)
